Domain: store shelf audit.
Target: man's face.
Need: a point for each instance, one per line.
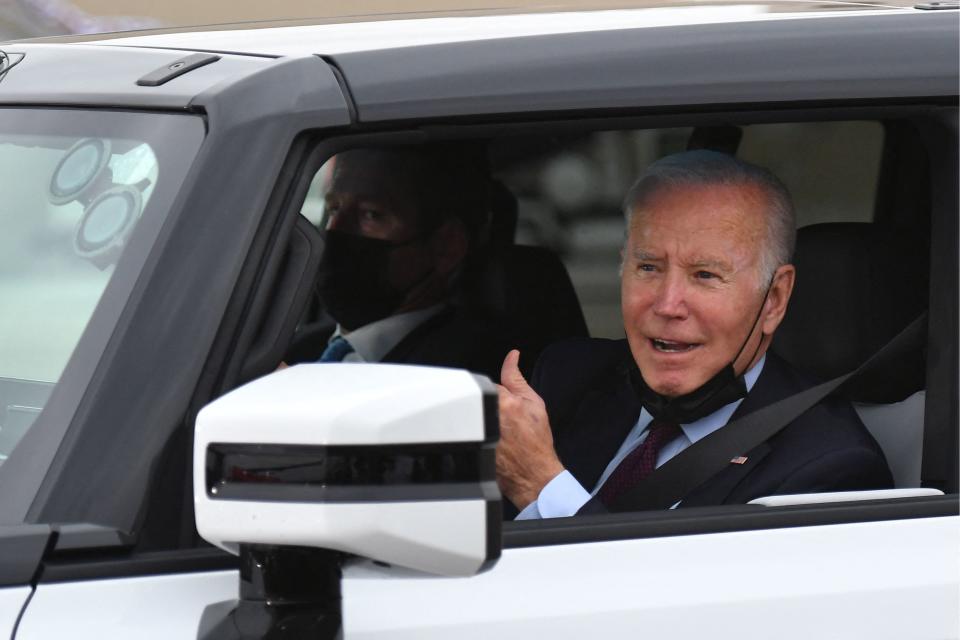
(690, 284)
(373, 195)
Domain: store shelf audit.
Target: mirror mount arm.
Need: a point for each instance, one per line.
(285, 593)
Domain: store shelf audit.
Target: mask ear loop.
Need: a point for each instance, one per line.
(752, 327)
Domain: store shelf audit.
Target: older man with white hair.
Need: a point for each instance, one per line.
(705, 282)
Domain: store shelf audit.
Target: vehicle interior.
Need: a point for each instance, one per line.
(549, 264)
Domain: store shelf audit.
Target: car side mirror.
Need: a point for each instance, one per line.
(389, 462)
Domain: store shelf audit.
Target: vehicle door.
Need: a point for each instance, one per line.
(834, 570)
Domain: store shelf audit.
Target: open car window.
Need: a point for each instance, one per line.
(557, 199)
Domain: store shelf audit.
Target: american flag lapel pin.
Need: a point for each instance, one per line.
(739, 460)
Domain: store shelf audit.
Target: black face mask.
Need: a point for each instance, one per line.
(720, 390)
(353, 278)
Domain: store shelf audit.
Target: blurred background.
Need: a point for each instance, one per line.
(32, 18)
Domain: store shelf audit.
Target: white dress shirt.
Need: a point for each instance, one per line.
(564, 495)
(373, 341)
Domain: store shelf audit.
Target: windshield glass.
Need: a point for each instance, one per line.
(78, 189)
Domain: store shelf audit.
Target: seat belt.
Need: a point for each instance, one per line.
(699, 462)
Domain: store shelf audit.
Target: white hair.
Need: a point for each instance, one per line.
(704, 168)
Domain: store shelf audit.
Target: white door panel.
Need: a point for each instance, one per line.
(162, 607)
(895, 579)
(880, 580)
(12, 600)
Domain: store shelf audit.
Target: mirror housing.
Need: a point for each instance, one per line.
(390, 462)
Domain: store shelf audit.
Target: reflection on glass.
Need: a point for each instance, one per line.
(69, 206)
(48, 282)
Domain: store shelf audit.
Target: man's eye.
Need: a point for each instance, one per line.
(370, 215)
(705, 275)
(645, 266)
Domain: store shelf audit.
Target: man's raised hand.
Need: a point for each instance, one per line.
(526, 461)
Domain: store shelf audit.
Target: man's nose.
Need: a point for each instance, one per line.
(671, 298)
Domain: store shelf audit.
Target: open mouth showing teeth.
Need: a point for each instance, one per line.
(668, 346)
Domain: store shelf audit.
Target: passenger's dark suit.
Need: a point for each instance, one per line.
(592, 406)
(451, 338)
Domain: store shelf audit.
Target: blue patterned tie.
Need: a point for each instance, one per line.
(336, 350)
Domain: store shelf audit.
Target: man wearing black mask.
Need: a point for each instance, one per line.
(705, 282)
(400, 226)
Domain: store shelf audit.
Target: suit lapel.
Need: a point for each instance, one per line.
(716, 490)
(771, 386)
(602, 421)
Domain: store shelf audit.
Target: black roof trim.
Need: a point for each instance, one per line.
(781, 61)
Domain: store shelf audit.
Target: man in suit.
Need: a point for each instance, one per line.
(705, 282)
(400, 227)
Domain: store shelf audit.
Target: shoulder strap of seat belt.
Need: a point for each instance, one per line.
(699, 462)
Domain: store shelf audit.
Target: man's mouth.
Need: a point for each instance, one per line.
(671, 346)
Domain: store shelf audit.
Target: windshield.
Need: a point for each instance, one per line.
(78, 189)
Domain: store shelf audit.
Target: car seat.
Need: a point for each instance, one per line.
(526, 288)
(858, 285)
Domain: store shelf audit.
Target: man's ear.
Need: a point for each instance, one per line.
(449, 245)
(778, 297)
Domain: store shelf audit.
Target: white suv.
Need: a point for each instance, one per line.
(159, 248)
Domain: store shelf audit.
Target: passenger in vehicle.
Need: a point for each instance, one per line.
(401, 226)
(705, 282)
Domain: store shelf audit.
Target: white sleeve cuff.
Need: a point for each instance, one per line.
(561, 497)
(530, 512)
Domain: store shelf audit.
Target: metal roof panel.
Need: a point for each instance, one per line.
(839, 58)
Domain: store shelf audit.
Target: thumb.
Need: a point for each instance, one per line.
(511, 378)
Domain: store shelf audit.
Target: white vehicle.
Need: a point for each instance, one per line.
(158, 248)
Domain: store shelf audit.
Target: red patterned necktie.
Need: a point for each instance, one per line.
(639, 463)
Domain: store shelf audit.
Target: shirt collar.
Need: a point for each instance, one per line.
(375, 340)
(705, 426)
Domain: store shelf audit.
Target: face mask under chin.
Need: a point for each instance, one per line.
(353, 279)
(720, 390)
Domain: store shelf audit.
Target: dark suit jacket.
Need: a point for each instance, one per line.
(451, 338)
(592, 406)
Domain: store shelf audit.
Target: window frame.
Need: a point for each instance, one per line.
(928, 115)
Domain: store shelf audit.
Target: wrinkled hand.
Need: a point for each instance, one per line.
(526, 460)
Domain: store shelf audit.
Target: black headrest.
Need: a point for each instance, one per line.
(528, 287)
(858, 285)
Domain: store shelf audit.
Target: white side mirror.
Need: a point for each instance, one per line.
(390, 462)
